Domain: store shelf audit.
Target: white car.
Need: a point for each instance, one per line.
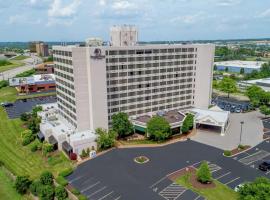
(236, 189)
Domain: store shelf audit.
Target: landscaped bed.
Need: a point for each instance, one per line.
(141, 159)
(211, 191)
(237, 150)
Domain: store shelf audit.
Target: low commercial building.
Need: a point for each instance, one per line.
(237, 65)
(35, 83)
(262, 83)
(60, 135)
(45, 68)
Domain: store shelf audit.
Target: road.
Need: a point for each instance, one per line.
(29, 64)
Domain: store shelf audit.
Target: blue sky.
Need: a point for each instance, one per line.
(75, 20)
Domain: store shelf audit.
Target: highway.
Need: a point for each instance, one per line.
(29, 64)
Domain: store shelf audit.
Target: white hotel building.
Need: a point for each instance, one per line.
(95, 82)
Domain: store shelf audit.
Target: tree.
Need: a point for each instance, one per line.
(27, 137)
(47, 148)
(46, 192)
(46, 178)
(121, 124)
(61, 193)
(203, 174)
(215, 68)
(187, 123)
(257, 190)
(105, 139)
(158, 128)
(258, 96)
(35, 187)
(265, 110)
(226, 69)
(22, 184)
(228, 85)
(242, 71)
(25, 116)
(84, 154)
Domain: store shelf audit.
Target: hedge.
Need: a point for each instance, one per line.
(61, 181)
(66, 172)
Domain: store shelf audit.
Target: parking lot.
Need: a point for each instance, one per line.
(22, 106)
(266, 123)
(231, 105)
(115, 175)
(255, 156)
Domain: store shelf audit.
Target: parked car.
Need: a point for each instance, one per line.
(265, 166)
(237, 188)
(6, 104)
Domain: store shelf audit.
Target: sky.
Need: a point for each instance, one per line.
(156, 20)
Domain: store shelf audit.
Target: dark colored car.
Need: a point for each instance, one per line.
(6, 104)
(265, 166)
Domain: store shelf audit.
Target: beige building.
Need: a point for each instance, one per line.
(93, 83)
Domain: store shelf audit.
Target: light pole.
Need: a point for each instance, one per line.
(241, 132)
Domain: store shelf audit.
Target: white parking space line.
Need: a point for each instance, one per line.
(172, 192)
(117, 198)
(91, 186)
(214, 167)
(254, 157)
(97, 191)
(105, 195)
(158, 181)
(232, 180)
(223, 175)
(267, 173)
(75, 179)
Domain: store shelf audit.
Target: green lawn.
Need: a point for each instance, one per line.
(20, 57)
(7, 190)
(14, 64)
(220, 192)
(18, 159)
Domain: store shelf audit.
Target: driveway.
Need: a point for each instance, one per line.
(252, 132)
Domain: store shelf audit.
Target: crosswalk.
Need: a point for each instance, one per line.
(172, 192)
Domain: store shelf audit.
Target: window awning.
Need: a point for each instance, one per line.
(66, 146)
(40, 136)
(52, 140)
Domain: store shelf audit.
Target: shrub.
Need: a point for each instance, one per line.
(84, 154)
(75, 191)
(82, 197)
(66, 172)
(158, 128)
(106, 139)
(46, 192)
(240, 146)
(27, 137)
(203, 173)
(22, 184)
(3, 83)
(35, 187)
(121, 124)
(61, 181)
(46, 178)
(25, 116)
(61, 193)
(34, 148)
(227, 153)
(47, 148)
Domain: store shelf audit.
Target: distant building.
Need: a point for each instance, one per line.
(122, 36)
(236, 66)
(93, 42)
(40, 48)
(45, 68)
(35, 83)
(262, 83)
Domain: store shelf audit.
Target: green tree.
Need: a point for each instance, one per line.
(257, 190)
(27, 137)
(187, 123)
(61, 193)
(105, 139)
(121, 124)
(47, 148)
(228, 85)
(46, 192)
(265, 110)
(35, 187)
(226, 69)
(22, 184)
(84, 154)
(242, 71)
(204, 174)
(46, 178)
(158, 128)
(257, 95)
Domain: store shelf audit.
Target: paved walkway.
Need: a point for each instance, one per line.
(252, 132)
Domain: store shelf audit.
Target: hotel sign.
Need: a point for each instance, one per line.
(98, 54)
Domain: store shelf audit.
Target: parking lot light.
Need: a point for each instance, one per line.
(241, 132)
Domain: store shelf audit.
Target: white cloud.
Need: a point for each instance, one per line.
(189, 19)
(123, 5)
(264, 14)
(102, 2)
(22, 19)
(228, 2)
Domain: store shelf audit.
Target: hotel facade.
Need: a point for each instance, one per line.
(95, 82)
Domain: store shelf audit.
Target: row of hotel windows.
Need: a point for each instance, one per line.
(153, 78)
(149, 51)
(66, 98)
(149, 72)
(154, 109)
(71, 86)
(61, 60)
(138, 93)
(147, 98)
(66, 91)
(66, 105)
(62, 53)
(144, 86)
(66, 116)
(66, 69)
(155, 58)
(65, 76)
(149, 65)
